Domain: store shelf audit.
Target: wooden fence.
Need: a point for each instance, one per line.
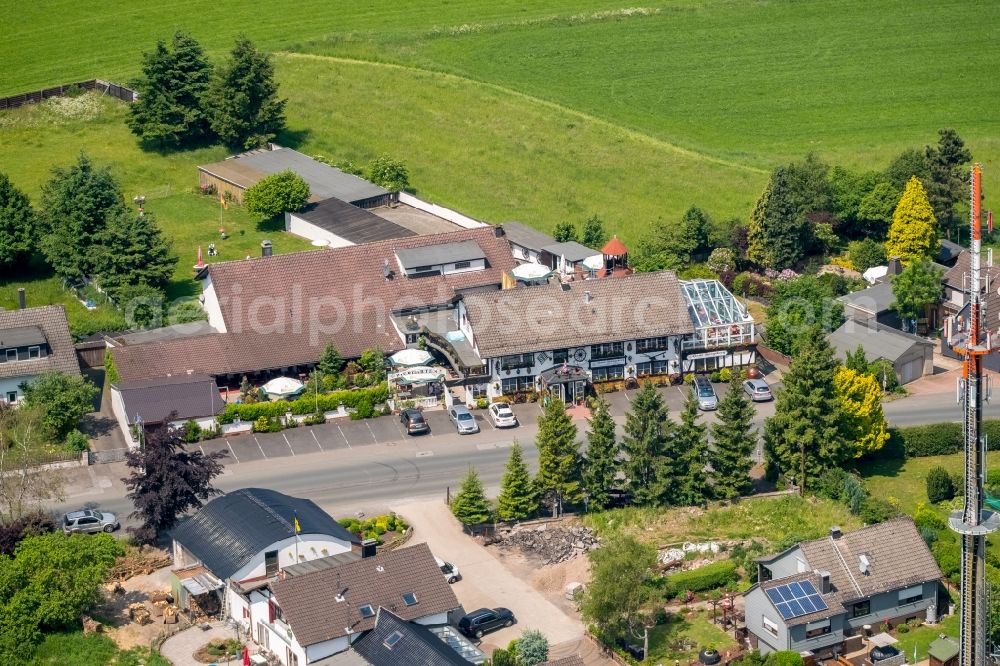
(106, 87)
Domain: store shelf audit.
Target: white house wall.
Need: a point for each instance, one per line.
(305, 229)
(310, 547)
(322, 650)
(13, 385)
(210, 303)
(118, 407)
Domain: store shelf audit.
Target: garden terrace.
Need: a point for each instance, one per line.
(719, 319)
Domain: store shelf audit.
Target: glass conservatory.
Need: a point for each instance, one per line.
(720, 321)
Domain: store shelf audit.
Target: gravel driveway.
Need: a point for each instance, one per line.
(485, 581)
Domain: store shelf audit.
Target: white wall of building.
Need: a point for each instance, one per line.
(13, 385)
(210, 303)
(305, 229)
(118, 407)
(444, 213)
(310, 547)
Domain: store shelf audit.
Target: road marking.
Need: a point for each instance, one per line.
(680, 390)
(371, 432)
(313, 433)
(626, 396)
(494, 445)
(344, 436)
(424, 454)
(285, 437)
(231, 450)
(202, 449)
(260, 447)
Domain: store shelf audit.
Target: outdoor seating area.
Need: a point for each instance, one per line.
(720, 319)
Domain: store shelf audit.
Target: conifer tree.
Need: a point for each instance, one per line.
(245, 109)
(601, 464)
(330, 362)
(647, 428)
(805, 436)
(558, 481)
(518, 499)
(170, 109)
(17, 225)
(777, 233)
(470, 505)
(913, 232)
(133, 251)
(733, 442)
(857, 361)
(861, 401)
(688, 447)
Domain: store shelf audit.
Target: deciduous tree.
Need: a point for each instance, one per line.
(77, 203)
(244, 108)
(564, 232)
(648, 468)
(864, 422)
(689, 447)
(876, 209)
(18, 230)
(866, 253)
(594, 235)
(777, 234)
(281, 192)
(796, 305)
(388, 172)
(734, 439)
(23, 445)
(470, 505)
(167, 479)
(620, 587)
(63, 400)
(913, 233)
(916, 287)
(805, 436)
(518, 498)
(170, 111)
(692, 240)
(601, 464)
(133, 251)
(559, 462)
(908, 164)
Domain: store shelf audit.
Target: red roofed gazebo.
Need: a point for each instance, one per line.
(615, 258)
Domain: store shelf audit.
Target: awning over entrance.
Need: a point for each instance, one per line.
(563, 374)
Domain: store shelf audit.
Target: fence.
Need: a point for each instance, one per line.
(442, 212)
(91, 354)
(106, 87)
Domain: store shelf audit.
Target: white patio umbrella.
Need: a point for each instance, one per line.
(320, 242)
(594, 263)
(411, 357)
(283, 387)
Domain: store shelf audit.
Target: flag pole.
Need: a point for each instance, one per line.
(297, 527)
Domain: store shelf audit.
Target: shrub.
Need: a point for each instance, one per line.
(305, 405)
(315, 418)
(725, 375)
(939, 485)
(902, 629)
(784, 658)
(689, 378)
(875, 510)
(192, 432)
(714, 377)
(352, 525)
(708, 577)
(77, 441)
(936, 439)
(481, 403)
(883, 372)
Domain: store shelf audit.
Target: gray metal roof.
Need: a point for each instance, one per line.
(879, 341)
(572, 250)
(351, 223)
(437, 255)
(322, 563)
(523, 235)
(414, 645)
(21, 336)
(874, 299)
(183, 396)
(230, 530)
(324, 180)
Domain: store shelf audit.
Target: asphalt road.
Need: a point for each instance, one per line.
(370, 465)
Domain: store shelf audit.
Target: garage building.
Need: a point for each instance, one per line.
(911, 356)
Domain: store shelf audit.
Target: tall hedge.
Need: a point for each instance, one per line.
(938, 439)
(703, 578)
(359, 399)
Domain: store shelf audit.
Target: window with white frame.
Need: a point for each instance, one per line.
(34, 352)
(11, 355)
(657, 367)
(652, 344)
(608, 372)
(514, 384)
(769, 626)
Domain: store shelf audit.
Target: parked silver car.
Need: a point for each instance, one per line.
(88, 520)
(463, 420)
(757, 390)
(704, 393)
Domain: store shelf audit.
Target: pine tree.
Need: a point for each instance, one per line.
(948, 184)
(594, 236)
(733, 442)
(330, 362)
(518, 499)
(245, 109)
(601, 464)
(647, 429)
(77, 203)
(17, 225)
(693, 236)
(170, 109)
(688, 447)
(132, 251)
(805, 436)
(470, 505)
(558, 481)
(856, 360)
(777, 233)
(913, 232)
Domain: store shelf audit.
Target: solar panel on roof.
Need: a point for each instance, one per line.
(795, 599)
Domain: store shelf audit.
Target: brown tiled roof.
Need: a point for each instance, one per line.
(957, 277)
(52, 320)
(301, 302)
(556, 316)
(897, 555)
(308, 602)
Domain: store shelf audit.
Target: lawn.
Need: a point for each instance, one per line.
(79, 649)
(773, 520)
(905, 480)
(682, 637)
(922, 637)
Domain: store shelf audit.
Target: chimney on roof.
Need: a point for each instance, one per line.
(835, 532)
(368, 548)
(498, 231)
(895, 266)
(22, 302)
(824, 582)
(265, 248)
(587, 297)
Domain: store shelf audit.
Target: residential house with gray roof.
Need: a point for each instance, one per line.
(174, 400)
(911, 356)
(818, 596)
(33, 341)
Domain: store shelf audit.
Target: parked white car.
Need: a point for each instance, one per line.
(502, 415)
(449, 570)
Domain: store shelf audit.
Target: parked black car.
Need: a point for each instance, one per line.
(485, 620)
(413, 421)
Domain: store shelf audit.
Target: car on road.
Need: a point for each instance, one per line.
(88, 520)
(757, 390)
(485, 620)
(704, 393)
(502, 415)
(413, 421)
(450, 571)
(463, 420)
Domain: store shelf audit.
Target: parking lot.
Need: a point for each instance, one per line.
(344, 434)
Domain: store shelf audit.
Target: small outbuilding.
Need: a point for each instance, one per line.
(911, 356)
(176, 400)
(340, 224)
(943, 652)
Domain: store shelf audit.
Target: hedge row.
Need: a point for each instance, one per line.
(938, 439)
(708, 577)
(358, 399)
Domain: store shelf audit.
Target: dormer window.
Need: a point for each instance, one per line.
(11, 354)
(367, 611)
(410, 599)
(34, 352)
